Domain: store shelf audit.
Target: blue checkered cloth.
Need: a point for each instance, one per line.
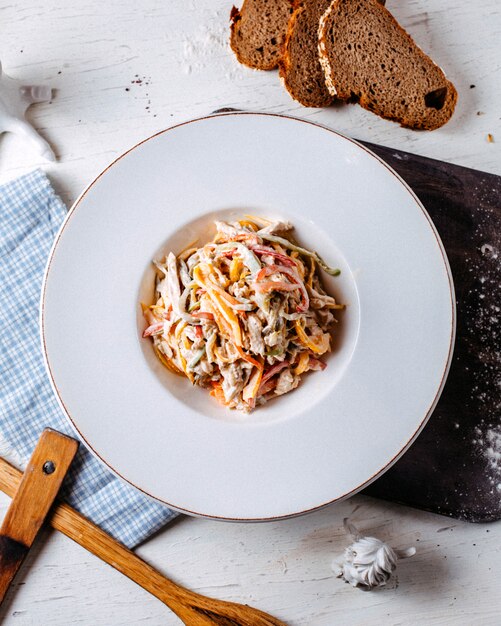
(30, 216)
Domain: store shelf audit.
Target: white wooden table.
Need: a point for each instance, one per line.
(124, 69)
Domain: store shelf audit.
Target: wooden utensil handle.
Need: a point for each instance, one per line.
(31, 502)
(191, 608)
(75, 526)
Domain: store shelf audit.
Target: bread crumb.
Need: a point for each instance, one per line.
(490, 138)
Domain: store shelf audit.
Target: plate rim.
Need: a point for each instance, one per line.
(390, 462)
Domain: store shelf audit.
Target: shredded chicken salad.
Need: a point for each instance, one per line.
(244, 315)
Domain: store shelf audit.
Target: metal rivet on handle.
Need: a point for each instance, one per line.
(49, 467)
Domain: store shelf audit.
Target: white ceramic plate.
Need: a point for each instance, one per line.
(342, 427)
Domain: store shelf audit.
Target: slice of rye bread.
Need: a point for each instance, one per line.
(258, 32)
(300, 69)
(367, 57)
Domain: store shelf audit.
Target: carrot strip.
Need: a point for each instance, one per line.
(248, 358)
(218, 393)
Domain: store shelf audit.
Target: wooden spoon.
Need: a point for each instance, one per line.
(192, 608)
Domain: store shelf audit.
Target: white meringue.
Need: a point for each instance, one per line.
(368, 562)
(15, 98)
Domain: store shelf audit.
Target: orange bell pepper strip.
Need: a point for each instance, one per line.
(317, 347)
(221, 301)
(228, 315)
(303, 364)
(168, 363)
(250, 391)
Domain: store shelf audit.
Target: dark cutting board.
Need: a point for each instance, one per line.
(454, 466)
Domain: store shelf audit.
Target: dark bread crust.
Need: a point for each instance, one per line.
(258, 32)
(299, 66)
(369, 58)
